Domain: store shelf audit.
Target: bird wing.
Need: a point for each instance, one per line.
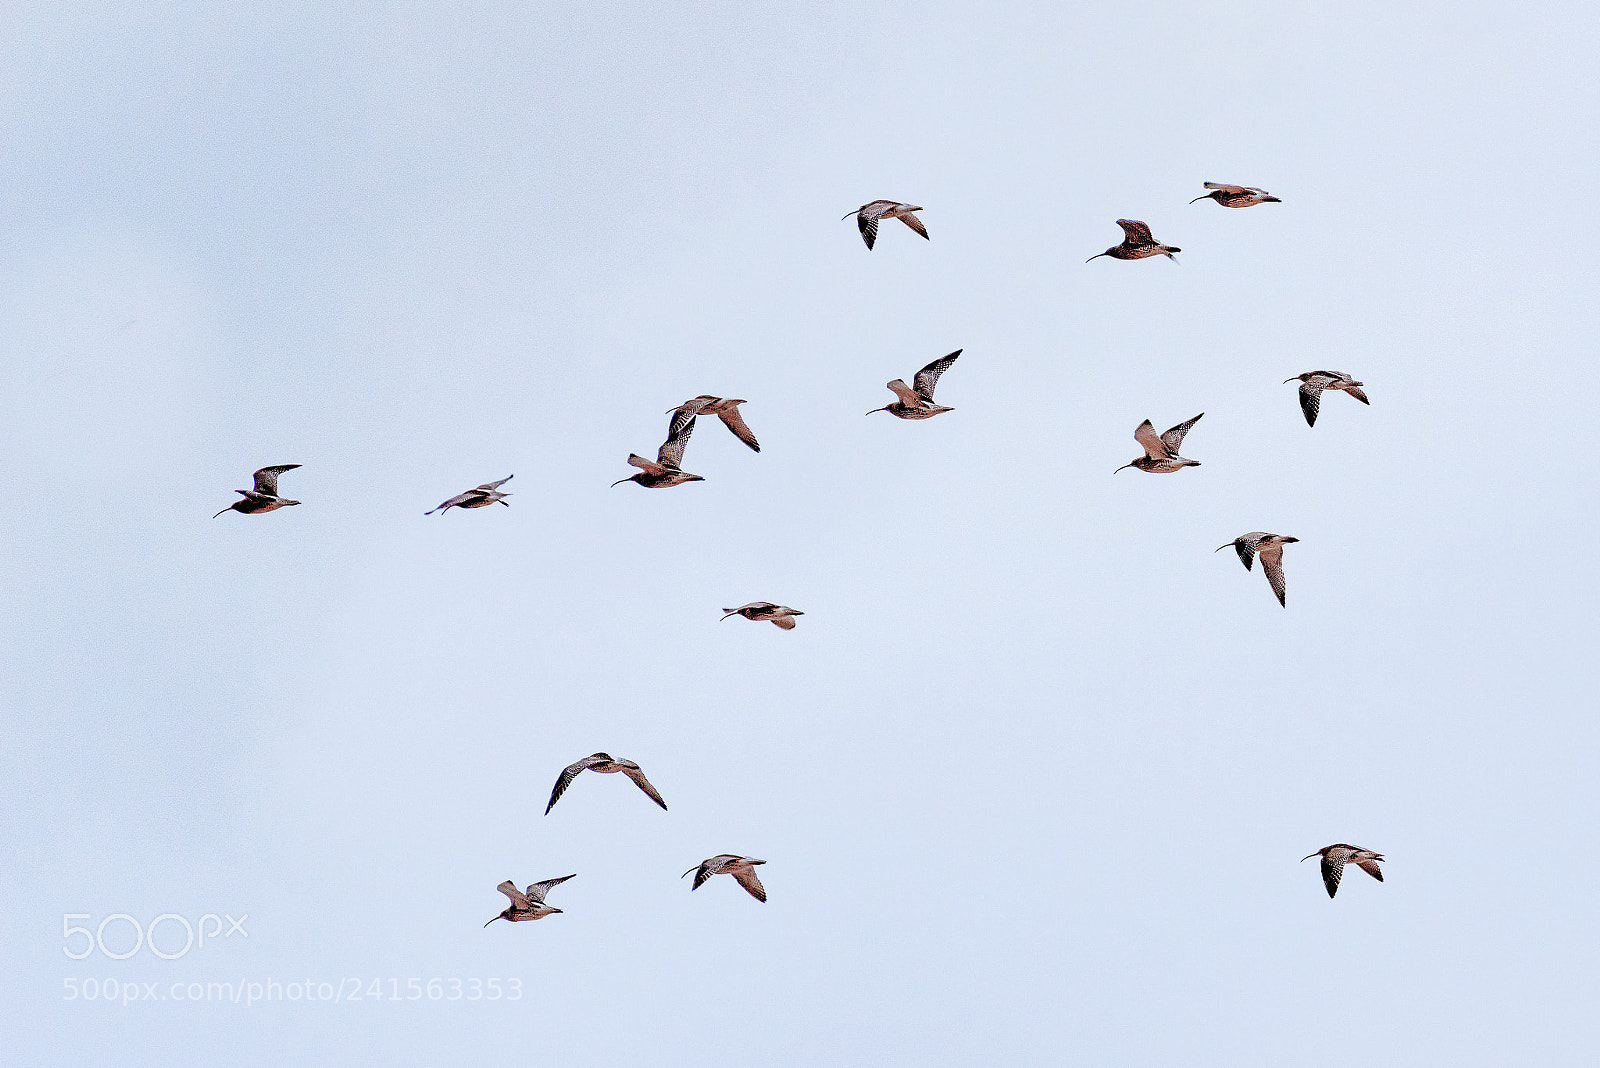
(735, 422)
(649, 466)
(1138, 232)
(456, 501)
(915, 223)
(568, 773)
(907, 395)
(1311, 399)
(1357, 393)
(518, 900)
(1173, 439)
(928, 377)
(1272, 564)
(490, 487)
(747, 879)
(786, 622)
(686, 412)
(1245, 546)
(537, 891)
(710, 867)
(1234, 189)
(267, 478)
(1145, 434)
(671, 452)
(868, 222)
(1333, 869)
(637, 775)
(1371, 868)
(753, 604)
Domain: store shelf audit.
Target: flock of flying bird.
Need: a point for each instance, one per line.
(1161, 456)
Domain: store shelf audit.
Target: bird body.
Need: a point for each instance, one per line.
(1236, 196)
(916, 402)
(726, 409)
(605, 765)
(867, 216)
(1314, 383)
(742, 869)
(763, 611)
(1335, 857)
(1137, 245)
(666, 470)
(1270, 548)
(1161, 451)
(529, 905)
(264, 497)
(477, 497)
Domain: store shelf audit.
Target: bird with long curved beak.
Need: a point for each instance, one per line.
(765, 611)
(1161, 450)
(741, 868)
(1270, 548)
(1236, 196)
(1314, 383)
(1334, 858)
(529, 905)
(264, 497)
(1137, 245)
(867, 216)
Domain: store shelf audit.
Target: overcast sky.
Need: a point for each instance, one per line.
(1034, 772)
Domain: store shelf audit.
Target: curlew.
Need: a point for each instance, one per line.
(723, 408)
(1161, 453)
(741, 868)
(530, 905)
(867, 216)
(476, 497)
(605, 765)
(264, 498)
(1334, 858)
(667, 468)
(764, 611)
(1314, 383)
(1137, 245)
(1270, 548)
(1236, 196)
(918, 403)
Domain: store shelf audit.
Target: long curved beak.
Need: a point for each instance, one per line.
(869, 413)
(1208, 196)
(1124, 467)
(1296, 378)
(719, 621)
(1096, 256)
(842, 218)
(496, 918)
(227, 509)
(697, 867)
(1218, 549)
(620, 481)
(1308, 857)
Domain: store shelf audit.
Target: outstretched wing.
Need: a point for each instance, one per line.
(568, 773)
(267, 478)
(1145, 434)
(637, 775)
(786, 622)
(1357, 393)
(1245, 546)
(490, 487)
(747, 879)
(1371, 868)
(1173, 439)
(455, 502)
(1311, 398)
(1272, 564)
(735, 422)
(928, 377)
(911, 220)
(518, 900)
(671, 452)
(1233, 189)
(686, 412)
(1138, 232)
(1333, 869)
(868, 222)
(710, 867)
(649, 466)
(537, 891)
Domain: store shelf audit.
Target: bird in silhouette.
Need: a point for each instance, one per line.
(917, 403)
(1161, 453)
(759, 611)
(867, 216)
(1137, 245)
(741, 868)
(530, 905)
(476, 497)
(723, 408)
(1236, 196)
(264, 498)
(1270, 548)
(1314, 383)
(667, 468)
(605, 765)
(1333, 862)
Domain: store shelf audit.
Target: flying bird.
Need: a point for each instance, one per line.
(918, 403)
(264, 498)
(723, 408)
(759, 611)
(1161, 453)
(867, 216)
(1270, 548)
(1312, 385)
(1137, 245)
(477, 497)
(530, 905)
(605, 765)
(667, 469)
(1236, 196)
(1334, 858)
(741, 868)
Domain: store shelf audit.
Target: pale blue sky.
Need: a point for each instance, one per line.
(1034, 772)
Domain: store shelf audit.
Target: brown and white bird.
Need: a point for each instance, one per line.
(1236, 196)
(723, 408)
(605, 765)
(867, 216)
(1137, 245)
(1314, 383)
(1161, 452)
(477, 497)
(1270, 548)
(264, 498)
(530, 905)
(1334, 858)
(667, 469)
(741, 868)
(762, 611)
(917, 403)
